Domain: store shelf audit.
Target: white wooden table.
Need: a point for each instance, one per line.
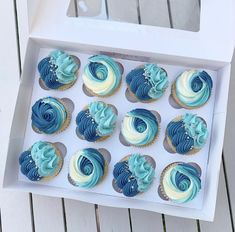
(26, 212)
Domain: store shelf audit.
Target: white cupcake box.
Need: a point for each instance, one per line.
(210, 48)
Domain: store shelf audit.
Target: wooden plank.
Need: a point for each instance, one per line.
(80, 216)
(113, 219)
(185, 14)
(180, 224)
(154, 12)
(15, 207)
(142, 220)
(222, 220)
(229, 158)
(123, 10)
(48, 214)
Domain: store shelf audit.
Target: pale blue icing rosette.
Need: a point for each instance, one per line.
(59, 70)
(96, 122)
(49, 116)
(187, 134)
(192, 89)
(134, 174)
(147, 82)
(102, 76)
(87, 168)
(42, 161)
(180, 182)
(140, 127)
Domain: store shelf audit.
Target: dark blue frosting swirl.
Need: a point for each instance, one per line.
(28, 166)
(179, 137)
(87, 127)
(197, 83)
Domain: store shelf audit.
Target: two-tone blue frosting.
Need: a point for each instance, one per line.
(87, 168)
(48, 115)
(187, 133)
(139, 127)
(181, 182)
(58, 69)
(96, 121)
(193, 88)
(40, 161)
(133, 175)
(102, 75)
(148, 82)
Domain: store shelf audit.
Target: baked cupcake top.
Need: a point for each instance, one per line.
(193, 88)
(187, 132)
(86, 168)
(139, 127)
(96, 121)
(58, 69)
(180, 182)
(102, 76)
(42, 160)
(133, 175)
(48, 115)
(147, 82)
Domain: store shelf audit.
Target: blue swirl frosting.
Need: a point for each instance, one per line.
(58, 69)
(187, 133)
(193, 88)
(148, 82)
(40, 161)
(181, 182)
(97, 121)
(102, 75)
(87, 168)
(48, 115)
(133, 175)
(139, 127)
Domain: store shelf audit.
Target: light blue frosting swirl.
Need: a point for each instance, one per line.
(104, 116)
(181, 182)
(142, 171)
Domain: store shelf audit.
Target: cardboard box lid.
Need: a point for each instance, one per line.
(214, 41)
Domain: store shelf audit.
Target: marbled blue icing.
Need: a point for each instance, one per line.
(134, 175)
(58, 69)
(188, 133)
(96, 121)
(40, 161)
(148, 82)
(48, 115)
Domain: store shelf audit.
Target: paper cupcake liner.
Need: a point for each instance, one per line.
(172, 147)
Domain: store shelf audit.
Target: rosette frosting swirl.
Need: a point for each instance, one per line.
(133, 175)
(96, 121)
(193, 88)
(40, 161)
(148, 82)
(87, 168)
(102, 75)
(48, 115)
(181, 182)
(58, 69)
(187, 133)
(139, 127)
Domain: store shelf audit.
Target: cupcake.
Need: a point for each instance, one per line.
(140, 128)
(42, 161)
(58, 71)
(192, 89)
(146, 83)
(102, 76)
(88, 167)
(96, 121)
(186, 134)
(50, 115)
(134, 174)
(180, 182)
